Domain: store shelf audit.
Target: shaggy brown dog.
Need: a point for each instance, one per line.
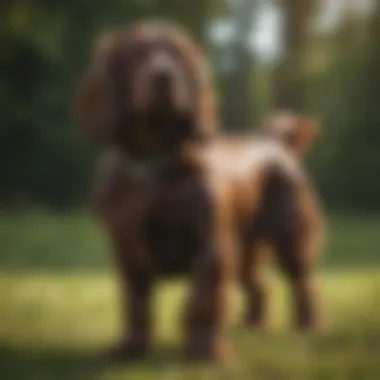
(146, 99)
(174, 196)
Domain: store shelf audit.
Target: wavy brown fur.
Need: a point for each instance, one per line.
(185, 217)
(106, 101)
(157, 216)
(290, 221)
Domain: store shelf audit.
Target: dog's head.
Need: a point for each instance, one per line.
(295, 130)
(148, 89)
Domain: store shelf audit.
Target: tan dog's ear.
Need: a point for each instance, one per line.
(304, 133)
(296, 131)
(94, 106)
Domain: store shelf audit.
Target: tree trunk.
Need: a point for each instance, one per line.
(288, 86)
(238, 84)
(374, 46)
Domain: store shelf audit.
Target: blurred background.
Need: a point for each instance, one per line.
(56, 288)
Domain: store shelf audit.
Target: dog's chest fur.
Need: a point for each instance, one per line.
(177, 224)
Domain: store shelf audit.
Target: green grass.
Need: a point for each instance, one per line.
(40, 240)
(53, 322)
(51, 327)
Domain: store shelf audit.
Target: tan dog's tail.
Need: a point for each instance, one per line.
(296, 131)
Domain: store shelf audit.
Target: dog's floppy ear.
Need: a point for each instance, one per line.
(296, 131)
(206, 120)
(94, 106)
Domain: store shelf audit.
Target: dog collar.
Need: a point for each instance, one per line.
(148, 168)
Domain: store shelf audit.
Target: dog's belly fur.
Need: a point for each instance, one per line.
(176, 226)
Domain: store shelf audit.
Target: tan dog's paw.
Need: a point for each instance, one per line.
(127, 350)
(205, 348)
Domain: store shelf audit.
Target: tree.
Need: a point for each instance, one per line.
(237, 89)
(363, 141)
(288, 86)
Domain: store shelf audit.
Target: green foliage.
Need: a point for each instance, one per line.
(44, 47)
(45, 44)
(346, 158)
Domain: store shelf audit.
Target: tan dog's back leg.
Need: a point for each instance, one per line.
(296, 262)
(254, 285)
(288, 220)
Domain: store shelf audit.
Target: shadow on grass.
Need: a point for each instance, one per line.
(31, 363)
(282, 357)
(56, 364)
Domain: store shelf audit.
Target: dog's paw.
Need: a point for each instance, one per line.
(210, 350)
(128, 350)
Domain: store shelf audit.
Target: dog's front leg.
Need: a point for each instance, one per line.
(136, 277)
(209, 294)
(137, 314)
(205, 312)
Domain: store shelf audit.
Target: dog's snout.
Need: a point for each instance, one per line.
(162, 66)
(162, 78)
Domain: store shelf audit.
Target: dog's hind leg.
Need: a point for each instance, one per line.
(254, 285)
(297, 264)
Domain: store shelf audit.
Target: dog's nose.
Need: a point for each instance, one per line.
(162, 79)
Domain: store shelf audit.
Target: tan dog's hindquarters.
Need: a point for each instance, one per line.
(289, 219)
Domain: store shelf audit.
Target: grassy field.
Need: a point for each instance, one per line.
(59, 307)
